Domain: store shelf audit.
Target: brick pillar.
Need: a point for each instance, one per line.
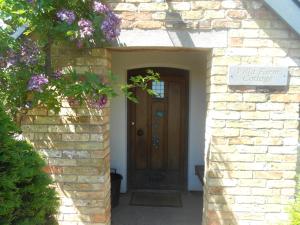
(251, 148)
(75, 143)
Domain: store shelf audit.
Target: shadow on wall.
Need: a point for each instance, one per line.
(296, 191)
(174, 22)
(75, 143)
(181, 28)
(216, 197)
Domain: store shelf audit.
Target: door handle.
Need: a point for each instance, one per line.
(140, 132)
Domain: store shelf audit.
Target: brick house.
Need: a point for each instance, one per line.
(245, 131)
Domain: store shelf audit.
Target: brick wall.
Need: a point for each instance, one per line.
(251, 133)
(75, 143)
(252, 149)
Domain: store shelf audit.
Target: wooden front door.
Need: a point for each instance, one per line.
(157, 132)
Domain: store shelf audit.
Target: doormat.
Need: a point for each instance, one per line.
(156, 199)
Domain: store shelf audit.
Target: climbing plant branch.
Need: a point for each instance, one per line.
(27, 76)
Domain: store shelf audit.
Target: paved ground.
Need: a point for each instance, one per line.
(189, 214)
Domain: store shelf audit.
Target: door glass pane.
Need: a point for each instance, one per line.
(159, 88)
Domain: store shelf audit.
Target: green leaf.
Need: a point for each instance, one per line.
(19, 12)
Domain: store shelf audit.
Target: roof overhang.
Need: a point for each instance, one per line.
(288, 10)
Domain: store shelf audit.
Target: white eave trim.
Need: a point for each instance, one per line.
(288, 10)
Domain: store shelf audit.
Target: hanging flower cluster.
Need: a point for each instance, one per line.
(57, 74)
(66, 16)
(37, 82)
(110, 26)
(98, 103)
(28, 54)
(98, 7)
(85, 28)
(102, 101)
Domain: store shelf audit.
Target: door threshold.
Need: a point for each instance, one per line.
(154, 190)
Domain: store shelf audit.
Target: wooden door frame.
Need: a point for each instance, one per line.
(131, 115)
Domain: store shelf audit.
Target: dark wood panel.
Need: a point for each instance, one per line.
(174, 126)
(141, 130)
(158, 132)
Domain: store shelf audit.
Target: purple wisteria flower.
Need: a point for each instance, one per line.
(67, 16)
(111, 26)
(101, 102)
(12, 58)
(85, 28)
(30, 1)
(29, 52)
(99, 7)
(57, 74)
(36, 82)
(98, 103)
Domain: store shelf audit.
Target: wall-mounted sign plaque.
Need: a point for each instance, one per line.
(258, 75)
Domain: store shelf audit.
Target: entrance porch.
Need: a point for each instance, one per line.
(189, 214)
